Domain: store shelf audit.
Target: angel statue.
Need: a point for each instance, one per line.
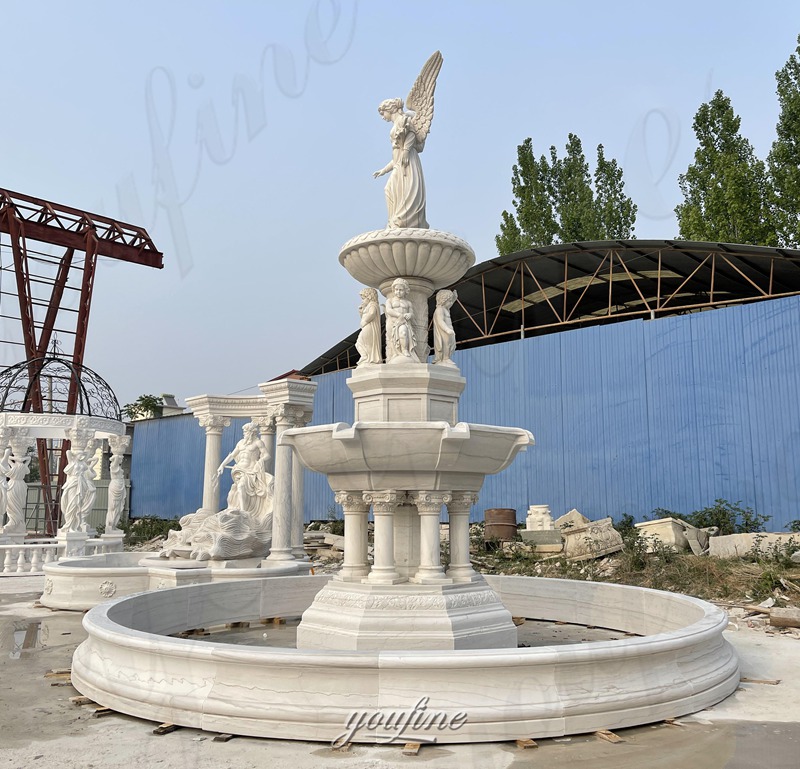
(405, 190)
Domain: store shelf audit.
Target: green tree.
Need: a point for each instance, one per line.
(726, 189)
(144, 407)
(573, 199)
(616, 212)
(784, 157)
(554, 201)
(531, 185)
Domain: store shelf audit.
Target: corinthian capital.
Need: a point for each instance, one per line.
(431, 501)
(462, 502)
(382, 501)
(213, 423)
(351, 501)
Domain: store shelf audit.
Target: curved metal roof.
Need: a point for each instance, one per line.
(568, 285)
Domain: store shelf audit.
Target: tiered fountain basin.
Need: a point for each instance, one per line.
(80, 583)
(435, 257)
(407, 455)
(679, 663)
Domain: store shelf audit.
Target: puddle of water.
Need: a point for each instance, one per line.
(530, 634)
(20, 636)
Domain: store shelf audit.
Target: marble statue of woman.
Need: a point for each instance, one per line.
(90, 490)
(17, 495)
(116, 493)
(5, 469)
(405, 190)
(400, 337)
(368, 343)
(74, 490)
(444, 338)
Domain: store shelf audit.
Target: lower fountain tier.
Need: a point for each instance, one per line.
(361, 617)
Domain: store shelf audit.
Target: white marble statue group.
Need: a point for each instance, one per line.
(405, 201)
(244, 528)
(78, 492)
(401, 336)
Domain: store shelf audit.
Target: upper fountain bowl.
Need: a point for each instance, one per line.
(434, 456)
(378, 257)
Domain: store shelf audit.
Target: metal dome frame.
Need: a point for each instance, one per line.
(25, 386)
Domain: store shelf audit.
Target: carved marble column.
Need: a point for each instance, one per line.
(266, 426)
(281, 549)
(17, 495)
(298, 550)
(213, 424)
(458, 515)
(355, 566)
(429, 506)
(383, 507)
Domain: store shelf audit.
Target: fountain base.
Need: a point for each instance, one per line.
(365, 617)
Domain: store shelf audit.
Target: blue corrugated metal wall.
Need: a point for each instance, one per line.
(628, 417)
(167, 465)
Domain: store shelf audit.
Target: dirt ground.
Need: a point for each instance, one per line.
(758, 726)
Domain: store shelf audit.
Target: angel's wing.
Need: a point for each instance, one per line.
(420, 99)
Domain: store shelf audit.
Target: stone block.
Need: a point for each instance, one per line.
(672, 532)
(737, 545)
(553, 537)
(592, 540)
(571, 519)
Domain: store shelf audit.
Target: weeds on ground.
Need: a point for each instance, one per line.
(647, 562)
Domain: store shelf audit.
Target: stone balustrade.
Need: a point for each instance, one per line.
(31, 557)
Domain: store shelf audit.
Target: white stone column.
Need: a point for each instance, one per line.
(429, 506)
(355, 566)
(281, 549)
(406, 539)
(458, 515)
(213, 424)
(298, 512)
(383, 507)
(266, 426)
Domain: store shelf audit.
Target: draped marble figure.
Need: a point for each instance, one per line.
(368, 343)
(5, 471)
(405, 190)
(116, 493)
(444, 337)
(17, 494)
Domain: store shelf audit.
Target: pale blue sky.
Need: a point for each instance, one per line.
(252, 226)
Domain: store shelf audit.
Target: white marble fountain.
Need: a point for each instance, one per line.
(402, 640)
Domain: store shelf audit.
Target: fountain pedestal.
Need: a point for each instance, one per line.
(367, 617)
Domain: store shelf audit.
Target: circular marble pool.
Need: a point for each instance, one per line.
(675, 661)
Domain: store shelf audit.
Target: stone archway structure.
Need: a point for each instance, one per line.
(282, 405)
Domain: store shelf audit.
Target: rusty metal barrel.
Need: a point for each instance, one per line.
(501, 523)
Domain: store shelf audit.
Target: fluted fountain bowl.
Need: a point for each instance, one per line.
(434, 456)
(377, 257)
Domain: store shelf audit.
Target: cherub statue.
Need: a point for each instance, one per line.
(405, 190)
(368, 343)
(444, 338)
(400, 337)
